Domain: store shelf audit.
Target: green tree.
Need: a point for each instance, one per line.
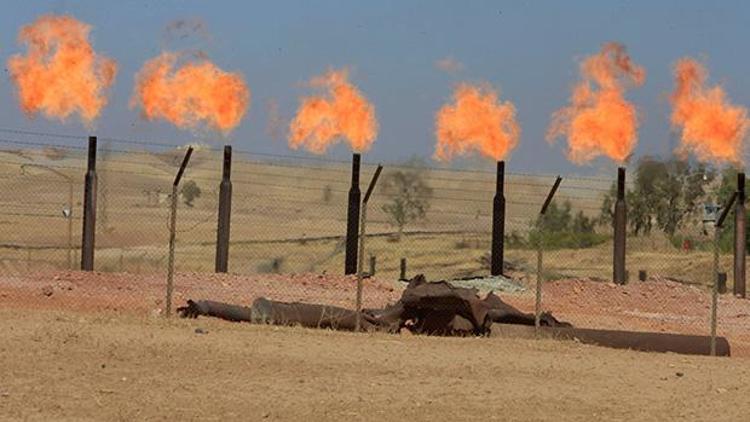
(190, 192)
(560, 228)
(722, 194)
(409, 197)
(665, 194)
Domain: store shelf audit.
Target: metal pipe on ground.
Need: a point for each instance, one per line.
(89, 210)
(498, 222)
(173, 231)
(225, 214)
(352, 219)
(629, 340)
(740, 238)
(619, 275)
(539, 257)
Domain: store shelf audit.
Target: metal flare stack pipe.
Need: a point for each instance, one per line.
(225, 214)
(620, 225)
(89, 210)
(352, 219)
(740, 238)
(498, 222)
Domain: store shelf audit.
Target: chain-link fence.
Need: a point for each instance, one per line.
(288, 226)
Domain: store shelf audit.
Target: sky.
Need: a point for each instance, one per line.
(528, 50)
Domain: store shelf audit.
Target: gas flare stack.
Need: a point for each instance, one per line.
(225, 214)
(739, 238)
(498, 222)
(89, 210)
(620, 226)
(352, 219)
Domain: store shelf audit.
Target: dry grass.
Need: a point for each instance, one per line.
(282, 221)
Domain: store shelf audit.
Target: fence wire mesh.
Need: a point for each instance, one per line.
(288, 226)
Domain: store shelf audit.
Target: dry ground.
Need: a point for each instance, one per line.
(655, 305)
(109, 366)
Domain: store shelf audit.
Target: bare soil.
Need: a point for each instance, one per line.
(655, 305)
(114, 366)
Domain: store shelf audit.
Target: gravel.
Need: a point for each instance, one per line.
(495, 283)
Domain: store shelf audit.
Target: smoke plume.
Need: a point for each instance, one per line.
(449, 65)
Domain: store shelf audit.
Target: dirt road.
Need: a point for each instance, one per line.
(109, 366)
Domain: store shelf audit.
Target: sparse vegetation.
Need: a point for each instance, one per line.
(727, 186)
(272, 266)
(408, 195)
(327, 194)
(560, 229)
(666, 195)
(190, 192)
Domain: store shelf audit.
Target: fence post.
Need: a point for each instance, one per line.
(373, 261)
(225, 214)
(89, 210)
(715, 291)
(362, 237)
(539, 260)
(71, 263)
(739, 238)
(402, 276)
(722, 283)
(173, 231)
(498, 222)
(352, 219)
(621, 221)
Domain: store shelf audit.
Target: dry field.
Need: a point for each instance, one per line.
(289, 217)
(113, 366)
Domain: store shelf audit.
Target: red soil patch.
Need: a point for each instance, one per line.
(655, 305)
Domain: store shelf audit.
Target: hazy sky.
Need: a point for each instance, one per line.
(528, 50)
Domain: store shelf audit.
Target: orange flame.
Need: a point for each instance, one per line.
(343, 113)
(190, 94)
(477, 121)
(599, 120)
(61, 74)
(712, 127)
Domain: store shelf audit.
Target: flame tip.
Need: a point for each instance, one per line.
(341, 112)
(598, 120)
(711, 127)
(476, 121)
(60, 74)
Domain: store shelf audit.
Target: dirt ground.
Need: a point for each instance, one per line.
(115, 366)
(655, 305)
